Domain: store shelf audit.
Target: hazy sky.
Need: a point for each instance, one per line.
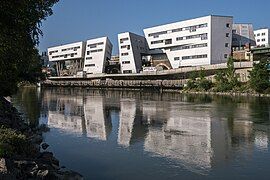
(79, 20)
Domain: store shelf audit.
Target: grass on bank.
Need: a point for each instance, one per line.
(227, 80)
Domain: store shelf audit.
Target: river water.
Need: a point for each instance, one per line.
(149, 135)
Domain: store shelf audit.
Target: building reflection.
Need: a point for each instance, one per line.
(79, 114)
(126, 121)
(186, 137)
(95, 117)
(65, 113)
(196, 133)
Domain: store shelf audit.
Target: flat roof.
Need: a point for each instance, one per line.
(186, 20)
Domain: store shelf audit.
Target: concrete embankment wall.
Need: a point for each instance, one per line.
(109, 83)
(171, 79)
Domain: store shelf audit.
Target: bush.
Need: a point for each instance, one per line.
(191, 84)
(204, 84)
(12, 143)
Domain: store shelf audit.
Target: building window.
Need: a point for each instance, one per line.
(92, 46)
(51, 52)
(177, 30)
(258, 40)
(204, 36)
(157, 33)
(177, 58)
(194, 57)
(157, 42)
(179, 38)
(72, 54)
(226, 44)
(125, 46)
(123, 39)
(263, 34)
(124, 54)
(226, 56)
(263, 39)
(89, 65)
(182, 47)
(88, 52)
(125, 62)
(258, 34)
(168, 41)
(227, 34)
(228, 25)
(97, 50)
(87, 58)
(127, 71)
(95, 45)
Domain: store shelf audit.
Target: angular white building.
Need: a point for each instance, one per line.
(200, 41)
(131, 49)
(69, 58)
(98, 51)
(90, 56)
(262, 37)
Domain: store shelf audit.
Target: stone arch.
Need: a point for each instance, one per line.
(162, 66)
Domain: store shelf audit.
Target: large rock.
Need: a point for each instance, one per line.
(6, 171)
(3, 166)
(47, 157)
(44, 146)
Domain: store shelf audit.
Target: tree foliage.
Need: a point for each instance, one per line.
(260, 76)
(226, 80)
(198, 81)
(20, 22)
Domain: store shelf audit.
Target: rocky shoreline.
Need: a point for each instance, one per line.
(27, 159)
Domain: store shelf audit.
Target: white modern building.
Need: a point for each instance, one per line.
(131, 49)
(72, 59)
(243, 35)
(69, 58)
(262, 37)
(200, 41)
(98, 51)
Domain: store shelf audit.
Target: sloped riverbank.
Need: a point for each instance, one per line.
(23, 153)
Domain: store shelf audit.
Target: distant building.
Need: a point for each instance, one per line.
(262, 37)
(243, 35)
(44, 59)
(131, 49)
(98, 51)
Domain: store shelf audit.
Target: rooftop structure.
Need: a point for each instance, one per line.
(243, 35)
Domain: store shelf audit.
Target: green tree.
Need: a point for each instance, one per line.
(20, 23)
(260, 76)
(226, 80)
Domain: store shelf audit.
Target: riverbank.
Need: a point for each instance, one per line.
(138, 85)
(23, 153)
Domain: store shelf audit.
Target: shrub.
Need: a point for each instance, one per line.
(12, 143)
(204, 84)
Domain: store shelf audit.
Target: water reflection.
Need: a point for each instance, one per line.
(197, 132)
